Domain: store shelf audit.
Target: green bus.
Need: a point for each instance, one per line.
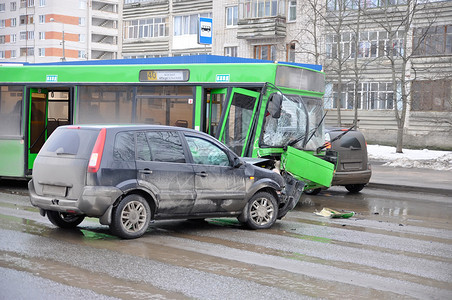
(268, 111)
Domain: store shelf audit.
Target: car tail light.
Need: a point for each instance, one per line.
(96, 155)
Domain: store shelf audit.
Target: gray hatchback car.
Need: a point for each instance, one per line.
(129, 175)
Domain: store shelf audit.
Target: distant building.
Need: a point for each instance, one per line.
(51, 30)
(155, 28)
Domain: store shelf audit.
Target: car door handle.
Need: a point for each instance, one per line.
(146, 171)
(202, 174)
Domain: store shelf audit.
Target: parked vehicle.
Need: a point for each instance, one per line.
(128, 175)
(353, 170)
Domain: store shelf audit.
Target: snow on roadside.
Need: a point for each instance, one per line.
(430, 159)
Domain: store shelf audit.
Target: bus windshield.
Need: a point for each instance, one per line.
(298, 124)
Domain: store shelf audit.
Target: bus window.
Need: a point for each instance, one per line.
(165, 105)
(236, 129)
(105, 104)
(10, 110)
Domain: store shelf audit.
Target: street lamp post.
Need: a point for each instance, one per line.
(62, 42)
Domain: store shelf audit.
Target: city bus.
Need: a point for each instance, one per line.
(269, 112)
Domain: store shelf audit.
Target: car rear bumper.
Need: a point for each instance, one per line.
(93, 202)
(356, 177)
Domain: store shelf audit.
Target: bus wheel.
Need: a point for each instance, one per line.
(131, 217)
(262, 211)
(64, 220)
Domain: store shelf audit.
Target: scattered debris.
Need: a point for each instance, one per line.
(331, 213)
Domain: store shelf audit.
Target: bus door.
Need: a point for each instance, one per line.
(48, 110)
(238, 119)
(215, 100)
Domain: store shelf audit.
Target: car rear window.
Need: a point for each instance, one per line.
(70, 141)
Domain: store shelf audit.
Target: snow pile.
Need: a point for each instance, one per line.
(430, 159)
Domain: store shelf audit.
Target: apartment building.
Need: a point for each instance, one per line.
(53, 30)
(155, 28)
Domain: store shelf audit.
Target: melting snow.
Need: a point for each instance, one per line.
(431, 159)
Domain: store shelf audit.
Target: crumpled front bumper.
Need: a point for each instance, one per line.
(291, 194)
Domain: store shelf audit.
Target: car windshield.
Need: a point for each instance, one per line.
(298, 121)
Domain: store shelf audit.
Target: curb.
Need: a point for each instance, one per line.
(431, 190)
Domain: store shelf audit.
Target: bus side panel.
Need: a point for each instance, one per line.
(12, 158)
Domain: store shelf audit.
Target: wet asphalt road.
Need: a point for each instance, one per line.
(398, 245)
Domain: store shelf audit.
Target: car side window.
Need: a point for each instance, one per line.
(124, 148)
(143, 150)
(165, 146)
(206, 153)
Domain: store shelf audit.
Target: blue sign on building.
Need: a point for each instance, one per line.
(205, 31)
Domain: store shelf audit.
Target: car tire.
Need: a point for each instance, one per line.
(312, 191)
(354, 188)
(64, 220)
(131, 218)
(262, 210)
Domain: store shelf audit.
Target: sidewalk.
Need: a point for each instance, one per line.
(422, 180)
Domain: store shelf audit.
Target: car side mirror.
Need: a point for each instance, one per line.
(237, 162)
(274, 105)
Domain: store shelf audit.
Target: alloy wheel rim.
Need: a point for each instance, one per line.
(262, 211)
(133, 216)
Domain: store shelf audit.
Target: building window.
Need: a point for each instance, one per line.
(2, 54)
(371, 44)
(371, 96)
(232, 14)
(42, 3)
(82, 4)
(431, 95)
(29, 51)
(146, 28)
(266, 52)
(2, 7)
(42, 19)
(13, 38)
(26, 19)
(13, 54)
(13, 22)
(42, 35)
(27, 3)
(230, 51)
(42, 52)
(2, 23)
(2, 39)
(12, 6)
(81, 37)
(435, 40)
(31, 35)
(82, 54)
(23, 35)
(290, 52)
(186, 25)
(353, 5)
(292, 11)
(81, 21)
(261, 8)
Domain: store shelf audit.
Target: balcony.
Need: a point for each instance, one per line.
(261, 28)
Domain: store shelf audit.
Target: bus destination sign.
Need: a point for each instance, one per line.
(164, 75)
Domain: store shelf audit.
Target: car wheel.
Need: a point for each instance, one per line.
(354, 188)
(64, 220)
(131, 217)
(312, 191)
(262, 211)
